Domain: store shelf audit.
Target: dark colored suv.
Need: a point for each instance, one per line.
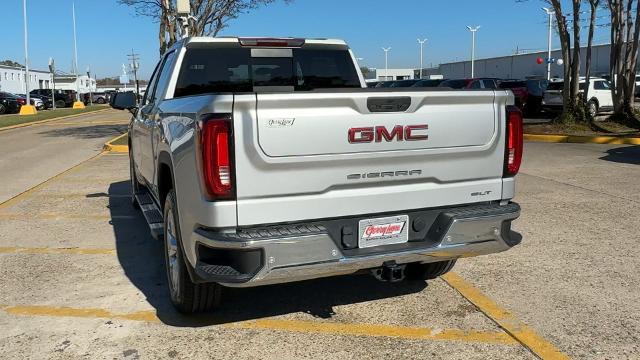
(8, 103)
(64, 98)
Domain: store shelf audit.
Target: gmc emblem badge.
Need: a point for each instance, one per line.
(378, 133)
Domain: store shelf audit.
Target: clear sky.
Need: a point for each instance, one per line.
(108, 31)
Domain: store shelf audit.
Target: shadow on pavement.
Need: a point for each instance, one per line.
(142, 259)
(624, 155)
(88, 132)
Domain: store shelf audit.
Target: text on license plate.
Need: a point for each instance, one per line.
(383, 231)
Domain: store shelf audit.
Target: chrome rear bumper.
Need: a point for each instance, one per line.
(313, 253)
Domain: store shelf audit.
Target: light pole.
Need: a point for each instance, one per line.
(78, 104)
(421, 42)
(90, 92)
(52, 70)
(473, 47)
(550, 13)
(27, 108)
(386, 62)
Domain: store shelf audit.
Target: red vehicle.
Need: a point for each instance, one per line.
(475, 83)
(519, 90)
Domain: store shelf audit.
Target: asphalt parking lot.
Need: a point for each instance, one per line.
(83, 278)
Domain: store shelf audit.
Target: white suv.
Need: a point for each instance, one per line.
(599, 96)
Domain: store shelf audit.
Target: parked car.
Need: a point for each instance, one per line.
(599, 96)
(48, 103)
(404, 83)
(535, 89)
(399, 186)
(519, 90)
(8, 103)
(384, 84)
(476, 83)
(428, 83)
(63, 98)
(96, 98)
(33, 100)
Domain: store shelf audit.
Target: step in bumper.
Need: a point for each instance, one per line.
(294, 252)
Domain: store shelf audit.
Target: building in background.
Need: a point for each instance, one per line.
(521, 66)
(394, 74)
(68, 82)
(12, 79)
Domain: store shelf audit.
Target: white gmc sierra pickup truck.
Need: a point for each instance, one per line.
(264, 160)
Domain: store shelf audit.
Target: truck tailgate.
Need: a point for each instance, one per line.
(331, 154)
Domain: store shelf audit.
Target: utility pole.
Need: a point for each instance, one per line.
(550, 14)
(473, 47)
(133, 58)
(386, 62)
(421, 42)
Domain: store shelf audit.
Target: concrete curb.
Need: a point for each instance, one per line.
(49, 120)
(583, 139)
(108, 146)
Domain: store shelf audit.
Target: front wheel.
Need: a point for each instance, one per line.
(100, 101)
(429, 271)
(187, 296)
(135, 185)
(60, 104)
(3, 109)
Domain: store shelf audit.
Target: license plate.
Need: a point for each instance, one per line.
(383, 231)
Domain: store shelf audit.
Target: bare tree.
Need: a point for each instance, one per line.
(593, 5)
(568, 96)
(625, 36)
(209, 16)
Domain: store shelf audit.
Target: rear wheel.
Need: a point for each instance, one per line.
(3, 109)
(60, 104)
(187, 296)
(592, 107)
(418, 271)
(100, 101)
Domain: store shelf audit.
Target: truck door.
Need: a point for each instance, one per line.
(150, 117)
(137, 129)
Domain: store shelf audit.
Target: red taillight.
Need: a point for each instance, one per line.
(215, 148)
(21, 101)
(271, 42)
(513, 153)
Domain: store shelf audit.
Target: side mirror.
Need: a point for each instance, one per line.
(124, 101)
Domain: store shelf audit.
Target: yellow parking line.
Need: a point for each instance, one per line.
(65, 216)
(95, 122)
(29, 192)
(313, 327)
(46, 250)
(375, 330)
(506, 320)
(52, 119)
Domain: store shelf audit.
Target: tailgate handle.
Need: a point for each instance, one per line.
(388, 104)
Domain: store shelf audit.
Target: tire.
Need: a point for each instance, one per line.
(60, 104)
(592, 108)
(135, 185)
(418, 271)
(3, 109)
(186, 296)
(100, 101)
